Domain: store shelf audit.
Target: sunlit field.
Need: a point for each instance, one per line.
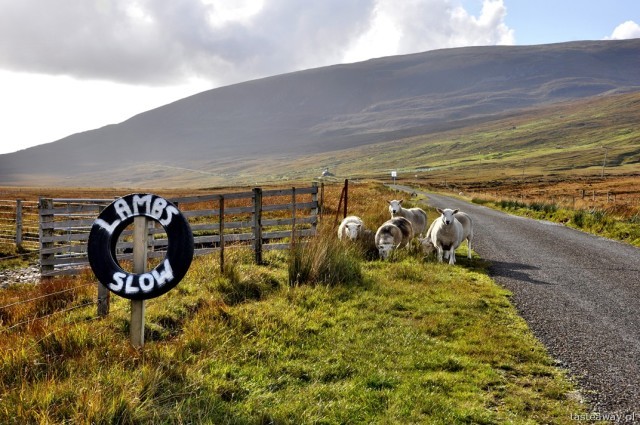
(322, 333)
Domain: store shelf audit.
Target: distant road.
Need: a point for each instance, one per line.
(579, 293)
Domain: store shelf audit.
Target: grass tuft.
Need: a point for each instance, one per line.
(324, 260)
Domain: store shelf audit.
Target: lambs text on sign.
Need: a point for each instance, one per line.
(108, 227)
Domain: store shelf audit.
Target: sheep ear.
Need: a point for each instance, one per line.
(456, 211)
(358, 225)
(389, 202)
(400, 201)
(439, 210)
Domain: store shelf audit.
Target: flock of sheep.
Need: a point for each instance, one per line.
(444, 236)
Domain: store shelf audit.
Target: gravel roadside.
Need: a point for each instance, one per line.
(29, 275)
(579, 294)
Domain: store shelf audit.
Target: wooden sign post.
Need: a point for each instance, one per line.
(139, 267)
(141, 285)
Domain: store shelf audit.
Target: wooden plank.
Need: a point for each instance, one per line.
(65, 249)
(51, 262)
(288, 221)
(213, 197)
(83, 200)
(287, 207)
(287, 192)
(65, 238)
(238, 195)
(83, 209)
(286, 234)
(64, 272)
(70, 224)
(195, 199)
(215, 226)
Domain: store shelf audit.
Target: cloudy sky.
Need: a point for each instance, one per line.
(73, 65)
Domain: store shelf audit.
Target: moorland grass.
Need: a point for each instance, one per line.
(409, 341)
(598, 221)
(318, 334)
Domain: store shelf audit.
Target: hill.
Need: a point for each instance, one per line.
(236, 133)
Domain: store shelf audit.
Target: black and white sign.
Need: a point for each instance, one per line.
(108, 227)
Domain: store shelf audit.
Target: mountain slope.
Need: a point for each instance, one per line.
(326, 109)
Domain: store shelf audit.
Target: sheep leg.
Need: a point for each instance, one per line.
(452, 256)
(440, 250)
(469, 249)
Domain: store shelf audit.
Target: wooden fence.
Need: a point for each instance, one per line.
(19, 223)
(262, 219)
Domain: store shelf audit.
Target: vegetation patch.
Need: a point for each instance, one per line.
(317, 334)
(599, 221)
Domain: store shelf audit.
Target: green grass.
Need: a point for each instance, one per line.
(597, 221)
(564, 138)
(405, 342)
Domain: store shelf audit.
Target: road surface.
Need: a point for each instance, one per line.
(579, 293)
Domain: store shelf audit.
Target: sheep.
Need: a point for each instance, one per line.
(394, 233)
(416, 216)
(467, 233)
(350, 228)
(445, 234)
(367, 243)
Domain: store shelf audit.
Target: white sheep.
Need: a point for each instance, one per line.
(350, 228)
(467, 233)
(445, 234)
(367, 242)
(392, 234)
(416, 216)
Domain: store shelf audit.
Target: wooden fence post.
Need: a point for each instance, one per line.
(257, 224)
(335, 222)
(104, 300)
(221, 221)
(316, 210)
(321, 205)
(46, 218)
(293, 217)
(140, 232)
(19, 224)
(346, 197)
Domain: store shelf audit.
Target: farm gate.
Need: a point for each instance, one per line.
(19, 223)
(261, 219)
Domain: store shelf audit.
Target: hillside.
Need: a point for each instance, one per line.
(237, 133)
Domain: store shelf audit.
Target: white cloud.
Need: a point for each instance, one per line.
(420, 25)
(72, 65)
(626, 30)
(42, 108)
(167, 42)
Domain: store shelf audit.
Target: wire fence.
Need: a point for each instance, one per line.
(41, 305)
(44, 302)
(19, 223)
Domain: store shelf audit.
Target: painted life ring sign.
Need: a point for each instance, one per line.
(108, 227)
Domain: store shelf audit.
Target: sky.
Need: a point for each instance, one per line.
(68, 66)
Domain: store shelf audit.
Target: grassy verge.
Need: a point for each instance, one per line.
(399, 342)
(601, 222)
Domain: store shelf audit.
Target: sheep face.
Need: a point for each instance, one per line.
(352, 230)
(428, 247)
(385, 250)
(395, 206)
(386, 243)
(447, 215)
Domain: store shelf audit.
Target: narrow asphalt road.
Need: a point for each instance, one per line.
(579, 293)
